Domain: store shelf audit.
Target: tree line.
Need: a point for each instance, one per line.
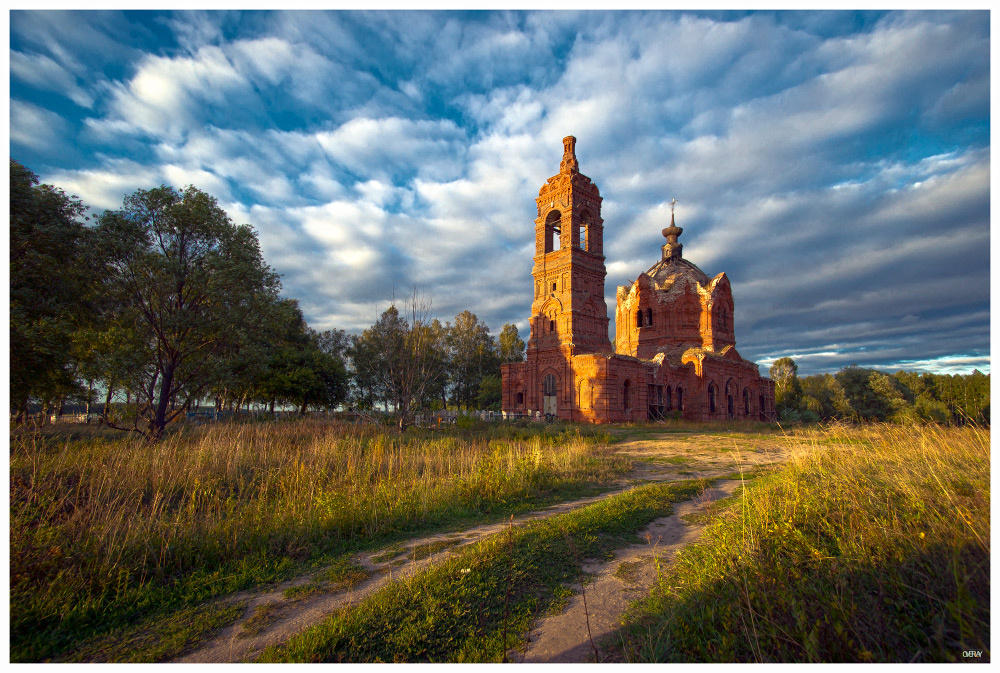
(860, 394)
(165, 304)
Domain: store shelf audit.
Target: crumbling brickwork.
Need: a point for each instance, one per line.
(675, 337)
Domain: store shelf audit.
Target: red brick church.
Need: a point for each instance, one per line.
(675, 344)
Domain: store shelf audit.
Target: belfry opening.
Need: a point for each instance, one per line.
(674, 353)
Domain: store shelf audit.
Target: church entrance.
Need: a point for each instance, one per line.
(549, 406)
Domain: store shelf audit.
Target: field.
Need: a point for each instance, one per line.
(843, 544)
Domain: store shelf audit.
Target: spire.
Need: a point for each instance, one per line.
(672, 249)
(568, 163)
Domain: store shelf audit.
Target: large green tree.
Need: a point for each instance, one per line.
(473, 356)
(304, 367)
(195, 285)
(787, 388)
(51, 274)
(510, 345)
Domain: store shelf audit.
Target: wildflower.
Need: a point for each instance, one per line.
(921, 535)
(466, 571)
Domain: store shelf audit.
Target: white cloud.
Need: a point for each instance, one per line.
(106, 187)
(166, 96)
(35, 127)
(42, 72)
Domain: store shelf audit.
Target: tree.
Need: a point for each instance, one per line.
(823, 395)
(50, 279)
(864, 401)
(400, 359)
(510, 344)
(490, 393)
(891, 397)
(194, 283)
(473, 356)
(787, 389)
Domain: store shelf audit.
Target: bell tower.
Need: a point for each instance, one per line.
(569, 313)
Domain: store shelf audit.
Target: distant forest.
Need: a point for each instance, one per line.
(859, 394)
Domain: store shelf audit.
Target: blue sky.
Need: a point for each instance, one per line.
(834, 164)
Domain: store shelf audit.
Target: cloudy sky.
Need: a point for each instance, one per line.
(834, 164)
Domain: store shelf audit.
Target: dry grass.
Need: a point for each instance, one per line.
(871, 545)
(105, 528)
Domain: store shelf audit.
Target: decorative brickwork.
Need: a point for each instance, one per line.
(675, 339)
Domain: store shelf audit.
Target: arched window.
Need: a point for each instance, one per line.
(627, 396)
(649, 317)
(670, 399)
(680, 398)
(583, 236)
(746, 402)
(711, 397)
(638, 318)
(552, 231)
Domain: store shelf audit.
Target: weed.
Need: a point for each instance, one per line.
(427, 550)
(106, 531)
(263, 616)
(874, 549)
(158, 638)
(459, 610)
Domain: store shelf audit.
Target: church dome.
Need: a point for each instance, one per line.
(667, 272)
(673, 267)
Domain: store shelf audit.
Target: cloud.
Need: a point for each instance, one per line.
(835, 165)
(34, 127)
(38, 70)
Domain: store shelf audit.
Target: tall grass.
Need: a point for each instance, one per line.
(873, 545)
(105, 529)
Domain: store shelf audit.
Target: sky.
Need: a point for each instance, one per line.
(834, 164)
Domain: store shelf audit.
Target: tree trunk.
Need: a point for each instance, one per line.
(159, 421)
(107, 404)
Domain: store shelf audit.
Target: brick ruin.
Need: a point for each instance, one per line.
(675, 343)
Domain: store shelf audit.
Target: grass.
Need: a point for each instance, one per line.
(111, 535)
(474, 606)
(873, 545)
(162, 639)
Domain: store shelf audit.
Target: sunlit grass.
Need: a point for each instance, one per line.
(871, 545)
(104, 530)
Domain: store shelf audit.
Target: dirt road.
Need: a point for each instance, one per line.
(274, 615)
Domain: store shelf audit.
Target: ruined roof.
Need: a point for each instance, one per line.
(673, 266)
(666, 272)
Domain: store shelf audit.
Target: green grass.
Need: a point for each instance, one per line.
(110, 534)
(876, 550)
(262, 617)
(427, 550)
(475, 606)
(161, 639)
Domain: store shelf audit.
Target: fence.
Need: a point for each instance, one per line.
(424, 418)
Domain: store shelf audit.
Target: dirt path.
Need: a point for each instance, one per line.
(274, 615)
(574, 635)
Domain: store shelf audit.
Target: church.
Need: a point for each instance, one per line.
(675, 346)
